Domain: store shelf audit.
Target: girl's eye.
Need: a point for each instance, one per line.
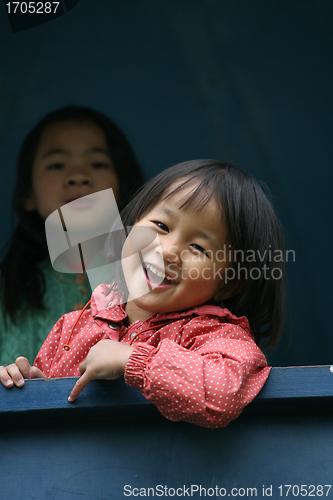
(161, 225)
(56, 166)
(198, 247)
(100, 164)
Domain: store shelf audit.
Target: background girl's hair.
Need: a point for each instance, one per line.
(254, 231)
(22, 281)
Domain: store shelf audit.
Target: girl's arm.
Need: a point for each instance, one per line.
(208, 382)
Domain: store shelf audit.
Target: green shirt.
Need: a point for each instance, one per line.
(63, 293)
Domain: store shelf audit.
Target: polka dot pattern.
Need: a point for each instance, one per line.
(201, 365)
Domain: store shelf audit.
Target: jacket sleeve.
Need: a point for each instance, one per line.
(207, 378)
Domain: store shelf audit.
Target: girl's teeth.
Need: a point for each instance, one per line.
(155, 271)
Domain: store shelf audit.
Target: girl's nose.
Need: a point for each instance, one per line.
(170, 250)
(78, 177)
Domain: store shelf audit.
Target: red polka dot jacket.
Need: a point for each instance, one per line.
(201, 365)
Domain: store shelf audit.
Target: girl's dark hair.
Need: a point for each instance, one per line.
(22, 281)
(254, 230)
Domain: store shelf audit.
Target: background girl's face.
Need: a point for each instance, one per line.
(72, 161)
(182, 265)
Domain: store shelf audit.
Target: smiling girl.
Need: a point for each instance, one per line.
(164, 327)
(72, 152)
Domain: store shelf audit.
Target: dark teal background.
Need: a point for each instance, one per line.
(249, 82)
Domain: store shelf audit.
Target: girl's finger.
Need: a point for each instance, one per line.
(78, 387)
(82, 367)
(24, 366)
(11, 375)
(5, 378)
(36, 373)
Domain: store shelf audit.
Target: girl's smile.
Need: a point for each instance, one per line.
(156, 278)
(177, 269)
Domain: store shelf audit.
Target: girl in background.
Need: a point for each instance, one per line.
(72, 152)
(203, 232)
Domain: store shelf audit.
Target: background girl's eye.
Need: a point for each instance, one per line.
(198, 247)
(161, 225)
(56, 166)
(100, 164)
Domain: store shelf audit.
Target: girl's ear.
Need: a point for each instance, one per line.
(30, 203)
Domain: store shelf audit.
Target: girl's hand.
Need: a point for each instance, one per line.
(15, 373)
(106, 360)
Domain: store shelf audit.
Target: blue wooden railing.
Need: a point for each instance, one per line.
(113, 444)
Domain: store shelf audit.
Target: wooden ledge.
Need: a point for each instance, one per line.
(287, 389)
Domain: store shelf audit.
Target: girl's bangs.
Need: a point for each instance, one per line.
(204, 190)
